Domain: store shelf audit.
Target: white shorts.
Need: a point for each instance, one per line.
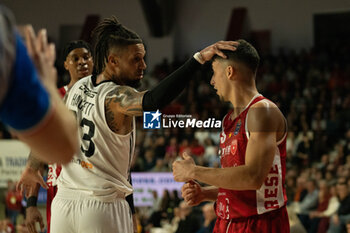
(73, 212)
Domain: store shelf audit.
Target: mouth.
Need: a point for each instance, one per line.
(83, 69)
(140, 75)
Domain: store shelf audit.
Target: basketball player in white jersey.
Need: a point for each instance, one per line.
(92, 188)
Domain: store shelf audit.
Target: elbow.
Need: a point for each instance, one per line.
(258, 182)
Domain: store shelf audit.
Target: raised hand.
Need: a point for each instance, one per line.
(43, 55)
(215, 49)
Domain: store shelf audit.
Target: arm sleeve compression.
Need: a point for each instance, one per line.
(169, 88)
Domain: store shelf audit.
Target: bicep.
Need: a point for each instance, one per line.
(262, 144)
(125, 100)
(260, 153)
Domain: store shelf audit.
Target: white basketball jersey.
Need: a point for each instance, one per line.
(101, 166)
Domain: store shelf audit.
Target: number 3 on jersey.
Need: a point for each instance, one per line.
(88, 137)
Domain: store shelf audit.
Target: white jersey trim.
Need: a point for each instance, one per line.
(260, 194)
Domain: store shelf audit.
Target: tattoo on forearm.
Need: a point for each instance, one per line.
(34, 163)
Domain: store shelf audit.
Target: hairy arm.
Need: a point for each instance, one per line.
(259, 156)
(31, 177)
(34, 162)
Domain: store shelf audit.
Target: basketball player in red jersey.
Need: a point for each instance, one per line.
(79, 63)
(249, 187)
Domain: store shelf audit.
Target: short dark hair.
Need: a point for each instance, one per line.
(245, 53)
(107, 34)
(75, 44)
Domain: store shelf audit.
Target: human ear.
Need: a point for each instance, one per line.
(112, 59)
(230, 71)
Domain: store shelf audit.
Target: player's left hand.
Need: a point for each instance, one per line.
(183, 169)
(29, 180)
(215, 49)
(34, 216)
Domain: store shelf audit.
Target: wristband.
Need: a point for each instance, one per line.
(199, 58)
(31, 201)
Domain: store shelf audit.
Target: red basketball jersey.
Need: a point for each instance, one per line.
(272, 194)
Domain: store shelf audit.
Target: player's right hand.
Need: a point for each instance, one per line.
(32, 216)
(29, 180)
(215, 49)
(192, 193)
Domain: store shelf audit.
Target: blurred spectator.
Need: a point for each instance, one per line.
(324, 216)
(211, 152)
(324, 196)
(149, 160)
(6, 226)
(209, 218)
(188, 221)
(13, 202)
(309, 203)
(160, 166)
(301, 191)
(341, 217)
(172, 149)
(304, 151)
(196, 148)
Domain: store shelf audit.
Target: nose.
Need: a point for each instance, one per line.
(81, 61)
(212, 81)
(143, 64)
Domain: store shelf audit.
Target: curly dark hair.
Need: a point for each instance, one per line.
(245, 53)
(107, 34)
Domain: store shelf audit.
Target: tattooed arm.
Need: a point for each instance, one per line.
(34, 163)
(125, 100)
(121, 105)
(31, 177)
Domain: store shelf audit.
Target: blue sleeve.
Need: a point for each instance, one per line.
(27, 102)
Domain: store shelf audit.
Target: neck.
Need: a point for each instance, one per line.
(241, 95)
(105, 75)
(72, 82)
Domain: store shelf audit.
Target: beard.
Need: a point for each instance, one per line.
(126, 80)
(133, 83)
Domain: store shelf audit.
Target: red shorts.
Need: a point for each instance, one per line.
(272, 222)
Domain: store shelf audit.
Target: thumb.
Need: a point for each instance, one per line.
(43, 184)
(186, 156)
(41, 181)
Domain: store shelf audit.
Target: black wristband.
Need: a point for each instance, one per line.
(31, 201)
